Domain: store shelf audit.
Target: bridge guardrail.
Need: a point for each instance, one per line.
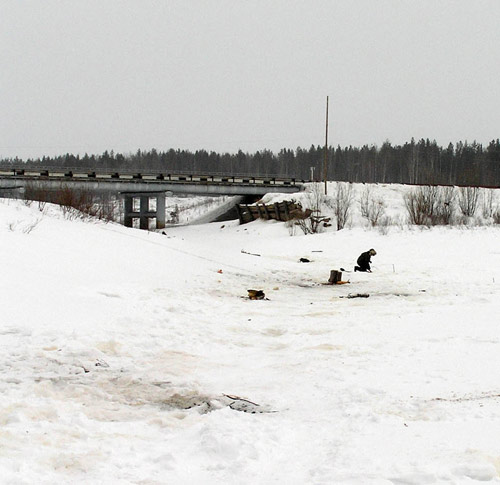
(150, 175)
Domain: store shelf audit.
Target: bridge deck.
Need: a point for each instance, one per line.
(212, 184)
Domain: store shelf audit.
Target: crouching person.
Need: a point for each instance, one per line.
(364, 261)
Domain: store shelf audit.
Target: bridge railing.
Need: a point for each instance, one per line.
(54, 171)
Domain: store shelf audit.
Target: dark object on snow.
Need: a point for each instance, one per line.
(356, 295)
(256, 294)
(335, 277)
(304, 260)
(251, 254)
(364, 261)
(239, 404)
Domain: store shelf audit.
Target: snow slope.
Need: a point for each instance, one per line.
(119, 348)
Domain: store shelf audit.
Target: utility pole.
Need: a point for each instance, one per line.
(325, 162)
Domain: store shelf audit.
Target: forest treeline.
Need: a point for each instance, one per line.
(415, 162)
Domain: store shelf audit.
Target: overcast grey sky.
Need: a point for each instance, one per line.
(89, 75)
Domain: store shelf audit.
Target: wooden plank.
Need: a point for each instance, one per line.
(266, 212)
(250, 212)
(287, 213)
(277, 211)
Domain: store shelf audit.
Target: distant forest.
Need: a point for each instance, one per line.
(416, 162)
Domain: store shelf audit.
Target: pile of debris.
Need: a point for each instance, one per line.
(279, 211)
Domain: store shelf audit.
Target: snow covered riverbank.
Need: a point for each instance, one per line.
(119, 346)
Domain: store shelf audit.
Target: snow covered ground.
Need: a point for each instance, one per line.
(120, 347)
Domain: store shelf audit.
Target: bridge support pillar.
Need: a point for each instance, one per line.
(128, 203)
(144, 212)
(160, 211)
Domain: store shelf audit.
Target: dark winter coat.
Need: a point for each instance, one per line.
(364, 261)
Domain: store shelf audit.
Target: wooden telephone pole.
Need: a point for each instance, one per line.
(325, 162)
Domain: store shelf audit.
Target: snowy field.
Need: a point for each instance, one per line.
(133, 357)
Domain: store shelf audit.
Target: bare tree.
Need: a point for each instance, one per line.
(467, 200)
(75, 203)
(487, 203)
(421, 204)
(445, 206)
(371, 208)
(342, 204)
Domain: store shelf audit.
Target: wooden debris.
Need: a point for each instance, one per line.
(299, 213)
(280, 211)
(256, 294)
(251, 254)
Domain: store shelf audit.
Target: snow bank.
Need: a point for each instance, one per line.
(120, 348)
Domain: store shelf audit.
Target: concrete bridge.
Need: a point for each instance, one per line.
(142, 186)
(123, 181)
